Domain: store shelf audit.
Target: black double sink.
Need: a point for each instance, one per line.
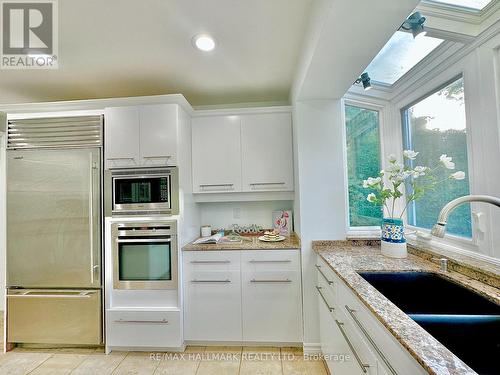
(467, 323)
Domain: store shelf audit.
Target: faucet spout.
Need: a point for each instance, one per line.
(440, 227)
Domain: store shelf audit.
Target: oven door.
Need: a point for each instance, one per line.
(145, 263)
(142, 193)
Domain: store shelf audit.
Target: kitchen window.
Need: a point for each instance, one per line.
(433, 126)
(363, 161)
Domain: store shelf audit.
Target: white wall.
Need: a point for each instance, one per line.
(3, 243)
(319, 131)
(224, 214)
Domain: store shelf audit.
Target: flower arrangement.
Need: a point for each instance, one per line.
(389, 183)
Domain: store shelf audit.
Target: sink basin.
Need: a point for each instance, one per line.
(429, 293)
(465, 322)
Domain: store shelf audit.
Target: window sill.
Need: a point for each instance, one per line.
(364, 233)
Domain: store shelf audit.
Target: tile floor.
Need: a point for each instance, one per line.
(196, 360)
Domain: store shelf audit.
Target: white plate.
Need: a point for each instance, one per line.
(265, 239)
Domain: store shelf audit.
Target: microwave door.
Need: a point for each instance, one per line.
(53, 218)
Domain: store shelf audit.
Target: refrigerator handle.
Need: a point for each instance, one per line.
(91, 217)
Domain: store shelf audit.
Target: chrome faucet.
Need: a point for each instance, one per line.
(439, 228)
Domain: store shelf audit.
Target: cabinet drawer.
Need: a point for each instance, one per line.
(389, 351)
(325, 278)
(54, 317)
(262, 260)
(213, 260)
(155, 329)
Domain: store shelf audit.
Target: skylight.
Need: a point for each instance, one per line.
(399, 55)
(471, 4)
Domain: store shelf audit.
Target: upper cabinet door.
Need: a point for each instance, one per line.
(121, 132)
(158, 134)
(267, 155)
(216, 154)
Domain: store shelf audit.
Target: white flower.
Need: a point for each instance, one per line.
(371, 198)
(446, 160)
(418, 171)
(459, 175)
(371, 182)
(392, 158)
(410, 154)
(395, 168)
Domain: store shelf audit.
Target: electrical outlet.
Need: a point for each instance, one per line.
(237, 213)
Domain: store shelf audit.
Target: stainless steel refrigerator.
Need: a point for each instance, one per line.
(54, 233)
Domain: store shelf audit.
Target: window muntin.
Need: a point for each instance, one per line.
(401, 53)
(434, 126)
(470, 4)
(363, 161)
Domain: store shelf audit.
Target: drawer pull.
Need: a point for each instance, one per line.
(271, 281)
(163, 321)
(369, 338)
(271, 261)
(120, 158)
(211, 281)
(330, 282)
(217, 185)
(324, 299)
(157, 157)
(363, 366)
(210, 261)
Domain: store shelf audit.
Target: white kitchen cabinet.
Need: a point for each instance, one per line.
(216, 154)
(158, 134)
(143, 329)
(121, 134)
(267, 156)
(369, 339)
(212, 292)
(141, 136)
(242, 295)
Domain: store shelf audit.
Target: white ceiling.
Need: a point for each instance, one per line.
(117, 48)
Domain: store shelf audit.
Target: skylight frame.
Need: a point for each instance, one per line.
(429, 56)
(460, 8)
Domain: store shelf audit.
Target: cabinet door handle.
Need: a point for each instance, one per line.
(120, 158)
(330, 282)
(324, 299)
(157, 157)
(271, 281)
(363, 366)
(210, 261)
(211, 281)
(163, 321)
(266, 183)
(370, 339)
(215, 185)
(270, 261)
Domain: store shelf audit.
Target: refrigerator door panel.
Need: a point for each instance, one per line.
(53, 218)
(54, 317)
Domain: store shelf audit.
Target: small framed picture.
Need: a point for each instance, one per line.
(282, 221)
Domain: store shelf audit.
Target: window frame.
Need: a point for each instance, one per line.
(373, 105)
(419, 233)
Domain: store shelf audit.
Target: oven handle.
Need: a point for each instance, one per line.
(144, 240)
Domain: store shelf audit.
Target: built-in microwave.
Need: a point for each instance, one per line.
(142, 191)
(144, 255)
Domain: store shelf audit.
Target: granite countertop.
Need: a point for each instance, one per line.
(292, 242)
(347, 257)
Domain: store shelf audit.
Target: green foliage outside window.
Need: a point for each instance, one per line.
(363, 161)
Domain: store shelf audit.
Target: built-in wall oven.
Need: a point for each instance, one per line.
(142, 191)
(144, 255)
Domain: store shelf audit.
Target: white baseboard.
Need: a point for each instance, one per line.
(312, 348)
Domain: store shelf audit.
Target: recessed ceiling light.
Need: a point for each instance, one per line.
(204, 42)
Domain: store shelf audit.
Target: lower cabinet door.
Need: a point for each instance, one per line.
(212, 305)
(271, 305)
(151, 329)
